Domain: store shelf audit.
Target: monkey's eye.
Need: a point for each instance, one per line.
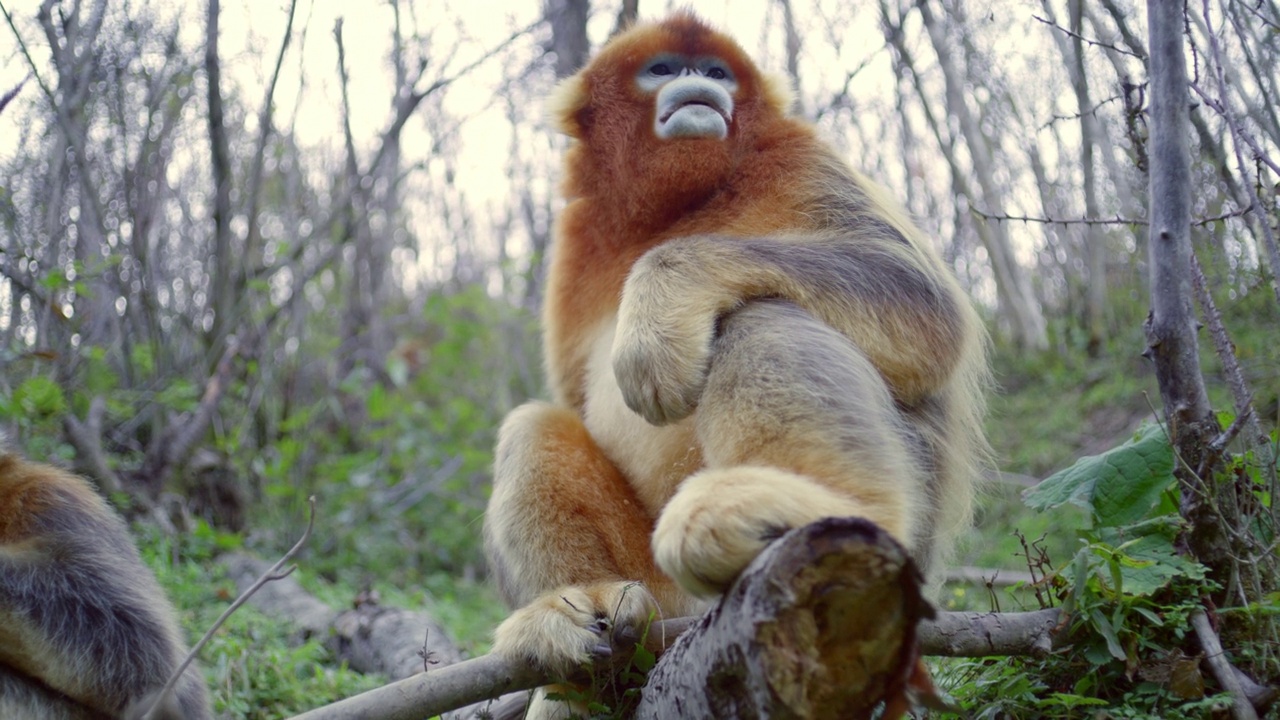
(717, 73)
(660, 69)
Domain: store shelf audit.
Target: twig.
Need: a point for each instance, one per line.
(1221, 442)
(9, 96)
(1215, 657)
(1117, 220)
(1241, 137)
(1086, 40)
(260, 148)
(1081, 115)
(272, 573)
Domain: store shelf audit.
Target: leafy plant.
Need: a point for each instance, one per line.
(1126, 595)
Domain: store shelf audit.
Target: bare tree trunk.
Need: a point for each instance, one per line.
(627, 15)
(1018, 301)
(1095, 236)
(569, 34)
(222, 299)
(793, 53)
(1171, 326)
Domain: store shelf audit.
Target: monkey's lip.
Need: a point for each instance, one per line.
(690, 104)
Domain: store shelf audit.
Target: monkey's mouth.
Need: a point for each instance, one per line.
(693, 105)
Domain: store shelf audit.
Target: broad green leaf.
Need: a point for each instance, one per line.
(1150, 562)
(1143, 470)
(1118, 487)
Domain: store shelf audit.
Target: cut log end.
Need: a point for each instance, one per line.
(821, 625)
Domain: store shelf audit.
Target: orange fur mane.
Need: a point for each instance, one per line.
(629, 191)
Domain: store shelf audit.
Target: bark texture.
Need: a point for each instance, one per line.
(1171, 326)
(821, 625)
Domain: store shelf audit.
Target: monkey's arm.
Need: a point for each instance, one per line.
(909, 320)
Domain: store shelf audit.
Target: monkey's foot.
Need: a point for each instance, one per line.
(563, 629)
(721, 519)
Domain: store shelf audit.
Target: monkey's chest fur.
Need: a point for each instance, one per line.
(654, 459)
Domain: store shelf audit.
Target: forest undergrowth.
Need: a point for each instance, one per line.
(400, 507)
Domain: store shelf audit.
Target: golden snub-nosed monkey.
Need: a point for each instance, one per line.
(742, 335)
(85, 631)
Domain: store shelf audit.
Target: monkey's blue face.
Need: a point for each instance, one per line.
(693, 96)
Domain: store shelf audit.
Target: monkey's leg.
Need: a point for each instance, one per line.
(795, 424)
(568, 541)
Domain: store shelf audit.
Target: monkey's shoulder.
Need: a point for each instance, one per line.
(43, 501)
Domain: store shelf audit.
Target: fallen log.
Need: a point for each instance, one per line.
(832, 602)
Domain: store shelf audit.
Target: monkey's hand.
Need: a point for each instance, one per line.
(569, 627)
(666, 325)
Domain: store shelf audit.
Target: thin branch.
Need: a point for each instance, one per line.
(1093, 111)
(1275, 27)
(1117, 220)
(265, 126)
(1219, 105)
(415, 97)
(1216, 658)
(9, 96)
(1241, 136)
(273, 573)
(1095, 43)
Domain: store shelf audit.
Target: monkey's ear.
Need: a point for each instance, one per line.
(568, 107)
(777, 93)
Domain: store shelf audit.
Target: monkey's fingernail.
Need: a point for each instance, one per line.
(602, 651)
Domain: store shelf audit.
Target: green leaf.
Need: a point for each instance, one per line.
(1150, 562)
(1118, 487)
(1108, 633)
(40, 397)
(643, 659)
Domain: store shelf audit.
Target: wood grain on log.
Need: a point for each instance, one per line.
(821, 625)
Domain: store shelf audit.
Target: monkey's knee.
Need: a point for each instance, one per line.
(721, 519)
